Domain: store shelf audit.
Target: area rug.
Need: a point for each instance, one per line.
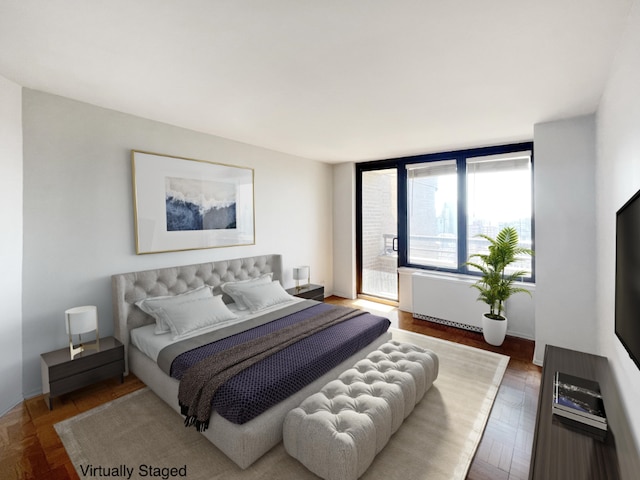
(139, 436)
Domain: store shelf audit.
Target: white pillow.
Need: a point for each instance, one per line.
(263, 296)
(152, 304)
(190, 317)
(235, 289)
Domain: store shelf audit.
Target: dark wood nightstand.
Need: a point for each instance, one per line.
(61, 374)
(311, 291)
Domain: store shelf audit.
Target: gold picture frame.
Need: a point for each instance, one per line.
(187, 204)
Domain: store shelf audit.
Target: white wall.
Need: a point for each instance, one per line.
(78, 214)
(344, 230)
(10, 244)
(618, 178)
(565, 237)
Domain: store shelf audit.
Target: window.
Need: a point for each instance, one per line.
(446, 199)
(451, 198)
(499, 195)
(432, 214)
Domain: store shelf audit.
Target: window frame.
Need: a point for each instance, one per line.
(460, 157)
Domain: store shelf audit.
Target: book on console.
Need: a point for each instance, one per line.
(579, 400)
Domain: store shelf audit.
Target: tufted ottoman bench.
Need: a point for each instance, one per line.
(337, 432)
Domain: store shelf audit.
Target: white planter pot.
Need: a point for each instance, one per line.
(494, 331)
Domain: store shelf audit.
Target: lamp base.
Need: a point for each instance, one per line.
(77, 350)
(298, 274)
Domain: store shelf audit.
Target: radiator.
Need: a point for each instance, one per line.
(448, 300)
(451, 300)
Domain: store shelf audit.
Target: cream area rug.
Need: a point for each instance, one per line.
(139, 436)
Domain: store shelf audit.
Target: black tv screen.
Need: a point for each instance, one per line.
(627, 303)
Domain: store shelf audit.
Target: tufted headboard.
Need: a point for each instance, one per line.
(129, 288)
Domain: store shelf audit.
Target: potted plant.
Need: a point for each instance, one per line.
(496, 285)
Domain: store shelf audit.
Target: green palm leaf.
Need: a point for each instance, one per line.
(495, 286)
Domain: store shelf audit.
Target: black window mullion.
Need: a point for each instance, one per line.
(462, 213)
(403, 229)
(359, 171)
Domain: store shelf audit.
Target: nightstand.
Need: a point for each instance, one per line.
(313, 292)
(61, 374)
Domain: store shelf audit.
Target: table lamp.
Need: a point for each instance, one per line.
(302, 273)
(80, 320)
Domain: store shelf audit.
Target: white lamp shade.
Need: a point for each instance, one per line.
(81, 319)
(301, 273)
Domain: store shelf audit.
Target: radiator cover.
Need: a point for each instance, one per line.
(447, 300)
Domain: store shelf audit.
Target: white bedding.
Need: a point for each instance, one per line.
(149, 343)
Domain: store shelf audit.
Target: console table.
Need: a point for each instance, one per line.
(558, 451)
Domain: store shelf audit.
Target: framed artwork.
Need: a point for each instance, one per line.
(186, 204)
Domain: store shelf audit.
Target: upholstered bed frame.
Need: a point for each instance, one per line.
(245, 443)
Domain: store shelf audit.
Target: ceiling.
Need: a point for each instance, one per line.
(331, 80)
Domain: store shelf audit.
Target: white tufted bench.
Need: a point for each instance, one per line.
(337, 432)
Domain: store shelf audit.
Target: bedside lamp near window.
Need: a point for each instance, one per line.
(81, 320)
(302, 273)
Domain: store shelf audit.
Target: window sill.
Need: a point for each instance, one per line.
(454, 276)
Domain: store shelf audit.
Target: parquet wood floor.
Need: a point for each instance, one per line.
(505, 450)
(29, 445)
(31, 449)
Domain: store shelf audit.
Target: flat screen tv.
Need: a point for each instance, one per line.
(627, 303)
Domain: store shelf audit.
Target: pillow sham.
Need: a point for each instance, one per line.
(190, 317)
(263, 296)
(235, 289)
(152, 304)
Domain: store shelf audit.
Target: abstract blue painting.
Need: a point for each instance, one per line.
(199, 204)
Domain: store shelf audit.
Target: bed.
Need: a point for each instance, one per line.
(245, 434)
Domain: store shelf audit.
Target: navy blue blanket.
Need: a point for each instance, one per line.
(259, 387)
